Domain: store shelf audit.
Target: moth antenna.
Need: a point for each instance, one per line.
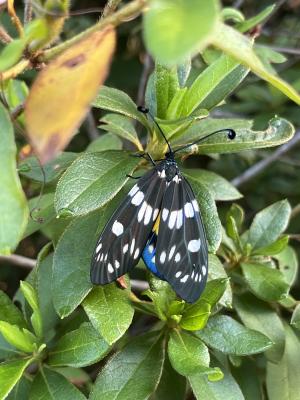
(90, 10)
(231, 134)
(146, 111)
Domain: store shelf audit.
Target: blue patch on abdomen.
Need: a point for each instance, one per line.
(148, 256)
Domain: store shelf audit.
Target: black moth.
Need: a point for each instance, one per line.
(160, 221)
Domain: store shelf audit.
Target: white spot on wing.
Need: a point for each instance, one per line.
(110, 268)
(163, 174)
(98, 258)
(98, 248)
(125, 248)
(175, 179)
(177, 275)
(117, 264)
(150, 249)
(133, 191)
(163, 257)
(194, 245)
(188, 210)
(200, 277)
(142, 211)
(136, 253)
(172, 219)
(155, 214)
(195, 205)
(117, 228)
(148, 214)
(105, 258)
(102, 256)
(165, 214)
(153, 259)
(204, 270)
(138, 198)
(184, 279)
(177, 257)
(132, 246)
(172, 252)
(179, 221)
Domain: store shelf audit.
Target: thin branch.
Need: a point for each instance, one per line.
(15, 70)
(286, 50)
(147, 68)
(110, 7)
(139, 286)
(15, 19)
(20, 261)
(295, 211)
(17, 111)
(4, 35)
(27, 11)
(91, 126)
(259, 167)
(129, 11)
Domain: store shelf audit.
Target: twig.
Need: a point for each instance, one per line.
(4, 36)
(286, 50)
(147, 68)
(259, 167)
(295, 211)
(15, 70)
(15, 19)
(130, 10)
(20, 261)
(91, 126)
(17, 111)
(139, 286)
(27, 11)
(110, 7)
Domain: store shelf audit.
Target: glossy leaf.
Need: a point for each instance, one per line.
(214, 290)
(10, 373)
(115, 100)
(274, 248)
(227, 388)
(79, 348)
(217, 271)
(31, 297)
(20, 338)
(220, 188)
(121, 126)
(241, 48)
(9, 312)
(110, 311)
(265, 282)
(134, 371)
(195, 316)
(247, 376)
(12, 199)
(256, 314)
(109, 141)
(51, 120)
(245, 26)
(195, 23)
(166, 86)
(295, 321)
(188, 354)
(209, 214)
(225, 334)
(50, 385)
(92, 180)
(279, 131)
(20, 390)
(11, 54)
(288, 264)
(283, 378)
(269, 223)
(213, 84)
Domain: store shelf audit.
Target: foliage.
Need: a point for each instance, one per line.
(62, 338)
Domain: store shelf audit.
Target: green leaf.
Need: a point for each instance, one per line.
(220, 188)
(269, 223)
(79, 348)
(195, 23)
(171, 384)
(265, 282)
(227, 388)
(279, 131)
(232, 231)
(134, 372)
(110, 311)
(166, 86)
(121, 126)
(250, 23)
(188, 354)
(32, 299)
(247, 376)
(256, 314)
(31, 168)
(15, 92)
(238, 214)
(288, 264)
(195, 316)
(20, 390)
(217, 271)
(283, 378)
(109, 141)
(9, 312)
(232, 14)
(225, 334)
(11, 54)
(10, 373)
(274, 248)
(214, 290)
(12, 199)
(295, 321)
(212, 85)
(50, 385)
(117, 101)
(92, 180)
(17, 337)
(241, 48)
(7, 351)
(209, 214)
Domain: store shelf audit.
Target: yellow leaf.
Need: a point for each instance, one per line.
(61, 95)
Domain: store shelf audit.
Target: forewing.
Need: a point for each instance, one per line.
(124, 237)
(181, 249)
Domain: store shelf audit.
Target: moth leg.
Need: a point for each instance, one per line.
(146, 156)
(133, 177)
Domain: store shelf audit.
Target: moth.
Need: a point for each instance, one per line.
(160, 221)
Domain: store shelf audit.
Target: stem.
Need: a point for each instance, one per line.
(129, 11)
(15, 19)
(15, 70)
(4, 36)
(110, 7)
(27, 11)
(20, 261)
(295, 211)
